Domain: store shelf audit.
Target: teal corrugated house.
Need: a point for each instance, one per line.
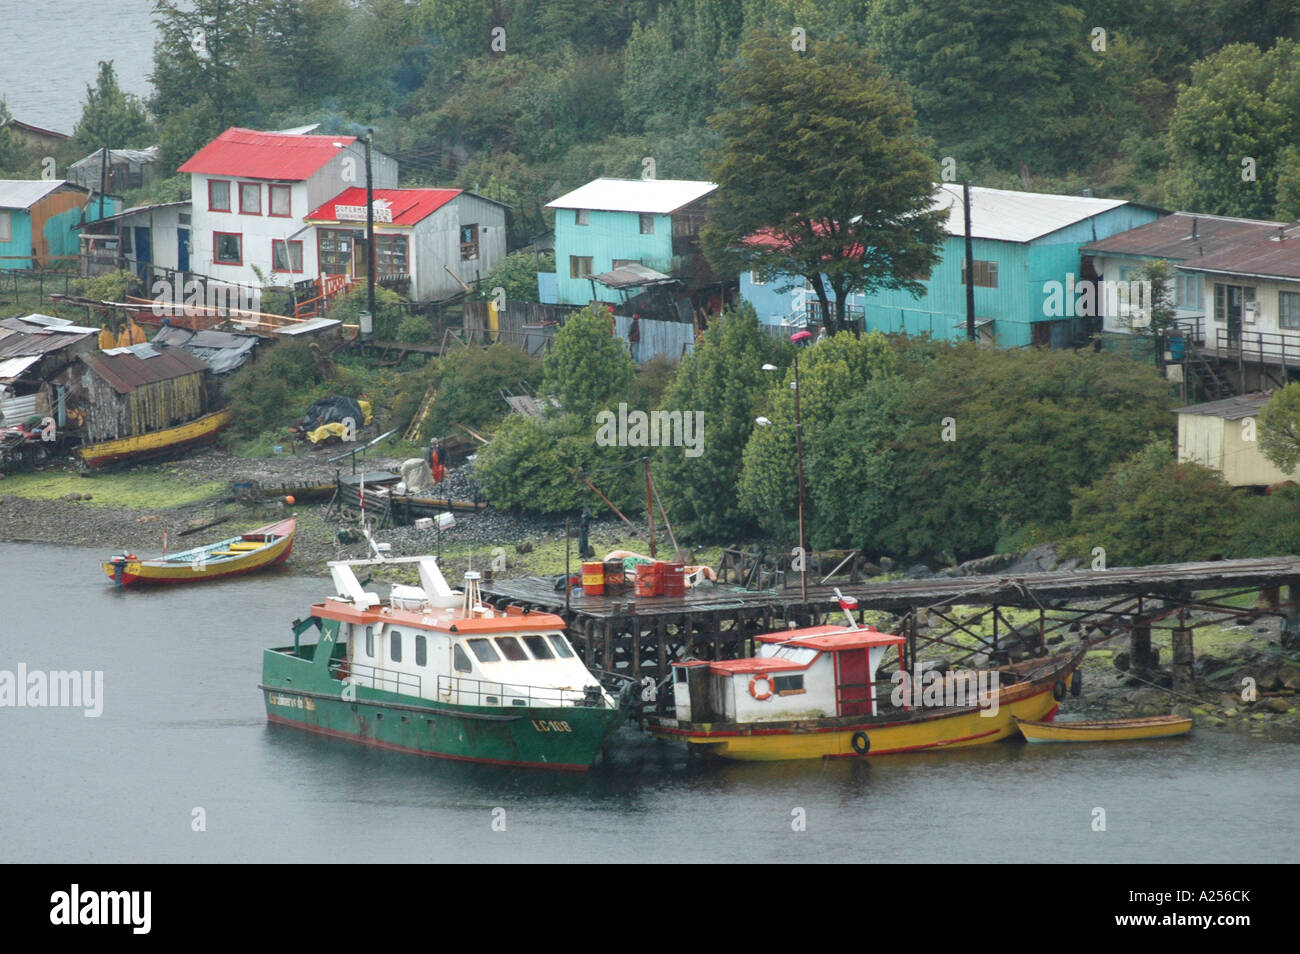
(615, 239)
(39, 219)
(1026, 246)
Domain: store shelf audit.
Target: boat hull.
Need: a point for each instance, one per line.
(1120, 730)
(564, 738)
(195, 433)
(921, 730)
(148, 572)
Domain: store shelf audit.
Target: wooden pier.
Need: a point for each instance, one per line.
(634, 637)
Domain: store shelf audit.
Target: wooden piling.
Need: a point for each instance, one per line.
(1184, 660)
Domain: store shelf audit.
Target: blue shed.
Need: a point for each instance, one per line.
(39, 220)
(1022, 243)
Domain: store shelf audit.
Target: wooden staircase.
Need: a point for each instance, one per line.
(327, 288)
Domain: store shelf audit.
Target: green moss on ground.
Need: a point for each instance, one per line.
(142, 488)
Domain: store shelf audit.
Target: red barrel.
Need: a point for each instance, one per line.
(645, 579)
(593, 579)
(674, 579)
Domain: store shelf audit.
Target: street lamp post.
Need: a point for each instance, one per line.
(798, 441)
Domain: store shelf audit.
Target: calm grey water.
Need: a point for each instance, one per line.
(183, 727)
(49, 51)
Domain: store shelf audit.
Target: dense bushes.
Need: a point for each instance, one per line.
(469, 387)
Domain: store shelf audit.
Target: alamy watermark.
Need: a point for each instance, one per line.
(56, 689)
(626, 428)
(195, 297)
(936, 689)
(1091, 299)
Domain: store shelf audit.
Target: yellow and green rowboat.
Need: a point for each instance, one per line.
(195, 433)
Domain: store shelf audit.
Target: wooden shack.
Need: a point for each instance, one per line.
(127, 392)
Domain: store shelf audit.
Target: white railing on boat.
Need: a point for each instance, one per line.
(376, 678)
(477, 692)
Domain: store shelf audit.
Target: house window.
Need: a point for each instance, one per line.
(468, 243)
(335, 251)
(281, 200)
(784, 684)
(986, 274)
(579, 266)
(581, 217)
(756, 279)
(620, 262)
(6, 227)
(390, 254)
(227, 248)
(1187, 291)
(286, 256)
(459, 660)
(250, 198)
(1288, 310)
(395, 645)
(218, 195)
(421, 651)
(647, 223)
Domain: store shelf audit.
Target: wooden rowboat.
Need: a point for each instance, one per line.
(1117, 730)
(246, 553)
(171, 440)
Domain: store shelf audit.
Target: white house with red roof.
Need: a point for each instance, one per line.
(251, 194)
(427, 241)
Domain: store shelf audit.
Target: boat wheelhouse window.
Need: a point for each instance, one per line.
(483, 650)
(421, 651)
(395, 645)
(370, 641)
(787, 683)
(796, 654)
(561, 647)
(511, 649)
(537, 646)
(459, 661)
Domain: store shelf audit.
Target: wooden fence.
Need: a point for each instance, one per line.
(531, 326)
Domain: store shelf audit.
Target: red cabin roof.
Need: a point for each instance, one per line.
(832, 639)
(247, 153)
(409, 206)
(346, 612)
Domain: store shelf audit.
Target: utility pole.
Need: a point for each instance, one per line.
(370, 230)
(103, 178)
(970, 265)
(798, 439)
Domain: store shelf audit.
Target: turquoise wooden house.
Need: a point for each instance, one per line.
(1026, 249)
(39, 221)
(615, 239)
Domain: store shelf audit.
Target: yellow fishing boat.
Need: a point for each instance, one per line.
(256, 550)
(811, 693)
(1116, 730)
(201, 430)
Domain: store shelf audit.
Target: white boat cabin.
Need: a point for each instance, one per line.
(812, 673)
(435, 643)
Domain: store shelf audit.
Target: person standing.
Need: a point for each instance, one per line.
(634, 338)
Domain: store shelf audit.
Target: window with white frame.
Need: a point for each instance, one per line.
(6, 227)
(1288, 310)
(581, 217)
(757, 279)
(280, 200)
(1187, 291)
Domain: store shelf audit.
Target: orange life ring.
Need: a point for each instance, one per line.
(754, 679)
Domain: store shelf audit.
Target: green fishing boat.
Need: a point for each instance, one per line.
(434, 672)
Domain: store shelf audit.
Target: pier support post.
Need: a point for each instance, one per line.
(1184, 677)
(1291, 622)
(1141, 658)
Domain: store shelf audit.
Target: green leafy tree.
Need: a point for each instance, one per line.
(468, 386)
(723, 378)
(820, 158)
(111, 117)
(11, 152)
(1152, 509)
(829, 374)
(1001, 81)
(517, 274)
(1279, 428)
(589, 369)
(1232, 133)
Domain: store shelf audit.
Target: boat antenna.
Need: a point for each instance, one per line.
(848, 604)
